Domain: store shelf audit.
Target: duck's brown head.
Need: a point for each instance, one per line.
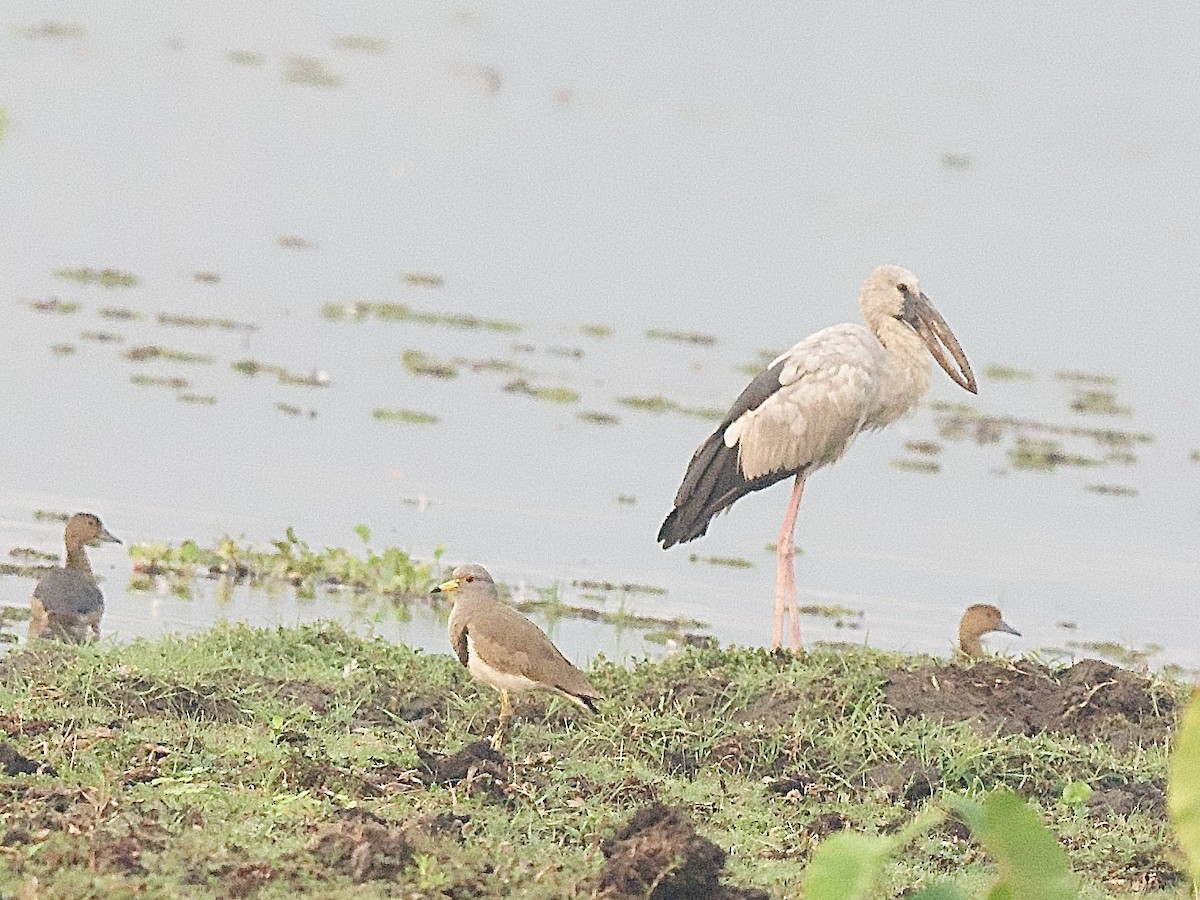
(978, 620)
(86, 528)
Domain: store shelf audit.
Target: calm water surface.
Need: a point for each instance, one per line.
(727, 171)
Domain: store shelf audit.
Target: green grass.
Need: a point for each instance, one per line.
(283, 762)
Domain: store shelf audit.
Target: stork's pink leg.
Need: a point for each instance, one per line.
(785, 572)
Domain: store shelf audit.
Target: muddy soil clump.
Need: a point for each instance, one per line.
(658, 854)
(1092, 700)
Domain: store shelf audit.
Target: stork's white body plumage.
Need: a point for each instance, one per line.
(804, 411)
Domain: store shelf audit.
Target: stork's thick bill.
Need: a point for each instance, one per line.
(929, 324)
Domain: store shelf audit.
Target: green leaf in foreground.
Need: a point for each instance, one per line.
(1033, 865)
(846, 866)
(1183, 785)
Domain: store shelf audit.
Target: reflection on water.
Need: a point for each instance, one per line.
(242, 256)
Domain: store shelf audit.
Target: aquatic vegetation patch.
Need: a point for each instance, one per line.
(296, 242)
(419, 363)
(290, 559)
(179, 320)
(773, 549)
(1194, 456)
(399, 312)
(252, 368)
(148, 352)
(626, 499)
(50, 30)
(29, 553)
(998, 372)
(925, 448)
(50, 515)
(1111, 490)
(120, 313)
(360, 43)
(101, 337)
(592, 417)
(62, 349)
(206, 277)
(595, 330)
(1044, 455)
(1102, 403)
(588, 584)
(725, 562)
(291, 409)
(407, 416)
(54, 305)
(549, 394)
(108, 278)
(174, 383)
(658, 404)
(423, 279)
(245, 57)
(308, 70)
(1076, 377)
(694, 338)
(915, 464)
(198, 399)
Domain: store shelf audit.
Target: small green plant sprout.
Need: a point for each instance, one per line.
(1031, 863)
(1183, 787)
(1077, 793)
(1000, 372)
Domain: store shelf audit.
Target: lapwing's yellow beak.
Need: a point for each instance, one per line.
(446, 587)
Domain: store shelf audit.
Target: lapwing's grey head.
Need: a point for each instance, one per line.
(469, 576)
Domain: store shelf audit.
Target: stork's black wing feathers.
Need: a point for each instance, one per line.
(713, 480)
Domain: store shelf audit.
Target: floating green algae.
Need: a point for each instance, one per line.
(549, 394)
(177, 384)
(54, 305)
(401, 312)
(120, 313)
(50, 30)
(206, 277)
(62, 349)
(198, 399)
(108, 278)
(252, 368)
(595, 330)
(726, 562)
(911, 464)
(1111, 490)
(309, 70)
(147, 352)
(1102, 403)
(360, 43)
(407, 416)
(101, 337)
(245, 57)
(1076, 377)
(423, 279)
(925, 448)
(179, 320)
(419, 363)
(1044, 455)
(658, 404)
(597, 418)
(695, 338)
(1007, 373)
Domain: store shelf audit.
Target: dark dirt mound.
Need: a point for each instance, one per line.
(363, 846)
(659, 855)
(1091, 700)
(14, 762)
(476, 767)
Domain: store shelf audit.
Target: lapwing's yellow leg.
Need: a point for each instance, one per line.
(506, 714)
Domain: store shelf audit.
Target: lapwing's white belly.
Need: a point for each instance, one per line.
(496, 678)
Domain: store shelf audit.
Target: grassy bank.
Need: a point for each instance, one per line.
(267, 763)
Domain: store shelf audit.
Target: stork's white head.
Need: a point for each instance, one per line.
(892, 294)
(883, 293)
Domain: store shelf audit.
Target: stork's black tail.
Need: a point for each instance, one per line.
(713, 483)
